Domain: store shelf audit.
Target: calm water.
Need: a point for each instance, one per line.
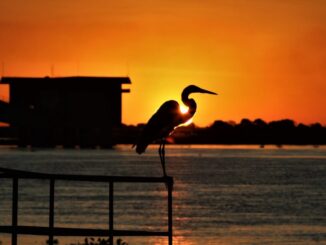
(222, 195)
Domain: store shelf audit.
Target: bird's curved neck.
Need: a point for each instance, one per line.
(190, 103)
(184, 97)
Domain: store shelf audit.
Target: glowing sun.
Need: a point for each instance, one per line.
(183, 109)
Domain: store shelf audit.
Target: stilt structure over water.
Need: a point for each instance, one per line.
(67, 111)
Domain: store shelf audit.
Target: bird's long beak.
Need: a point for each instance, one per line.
(206, 91)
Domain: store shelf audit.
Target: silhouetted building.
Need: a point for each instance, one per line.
(64, 111)
(4, 112)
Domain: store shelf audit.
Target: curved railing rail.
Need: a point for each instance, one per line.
(52, 231)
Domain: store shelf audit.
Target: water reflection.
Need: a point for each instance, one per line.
(177, 240)
(221, 196)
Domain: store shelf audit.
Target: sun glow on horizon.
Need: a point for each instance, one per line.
(265, 58)
(183, 109)
(186, 123)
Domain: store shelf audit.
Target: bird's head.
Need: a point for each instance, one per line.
(194, 89)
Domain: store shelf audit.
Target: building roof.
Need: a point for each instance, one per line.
(64, 80)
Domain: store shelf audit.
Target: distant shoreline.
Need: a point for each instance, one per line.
(257, 132)
(174, 145)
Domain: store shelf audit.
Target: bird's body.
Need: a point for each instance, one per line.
(162, 124)
(166, 119)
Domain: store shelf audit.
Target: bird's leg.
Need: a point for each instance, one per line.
(163, 157)
(160, 152)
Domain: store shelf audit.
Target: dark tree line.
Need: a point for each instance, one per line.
(257, 132)
(220, 132)
(246, 132)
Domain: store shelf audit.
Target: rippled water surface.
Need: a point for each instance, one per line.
(222, 195)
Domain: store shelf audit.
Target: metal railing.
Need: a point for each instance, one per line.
(51, 231)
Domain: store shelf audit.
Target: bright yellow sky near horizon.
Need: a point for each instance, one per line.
(265, 59)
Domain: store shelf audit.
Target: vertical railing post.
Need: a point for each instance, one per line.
(51, 211)
(14, 211)
(111, 212)
(170, 188)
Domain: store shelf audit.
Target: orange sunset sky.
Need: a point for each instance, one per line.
(266, 59)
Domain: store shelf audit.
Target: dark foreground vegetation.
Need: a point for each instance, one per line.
(246, 132)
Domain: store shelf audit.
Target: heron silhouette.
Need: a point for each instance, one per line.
(166, 119)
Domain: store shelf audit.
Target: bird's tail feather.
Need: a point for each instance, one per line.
(140, 148)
